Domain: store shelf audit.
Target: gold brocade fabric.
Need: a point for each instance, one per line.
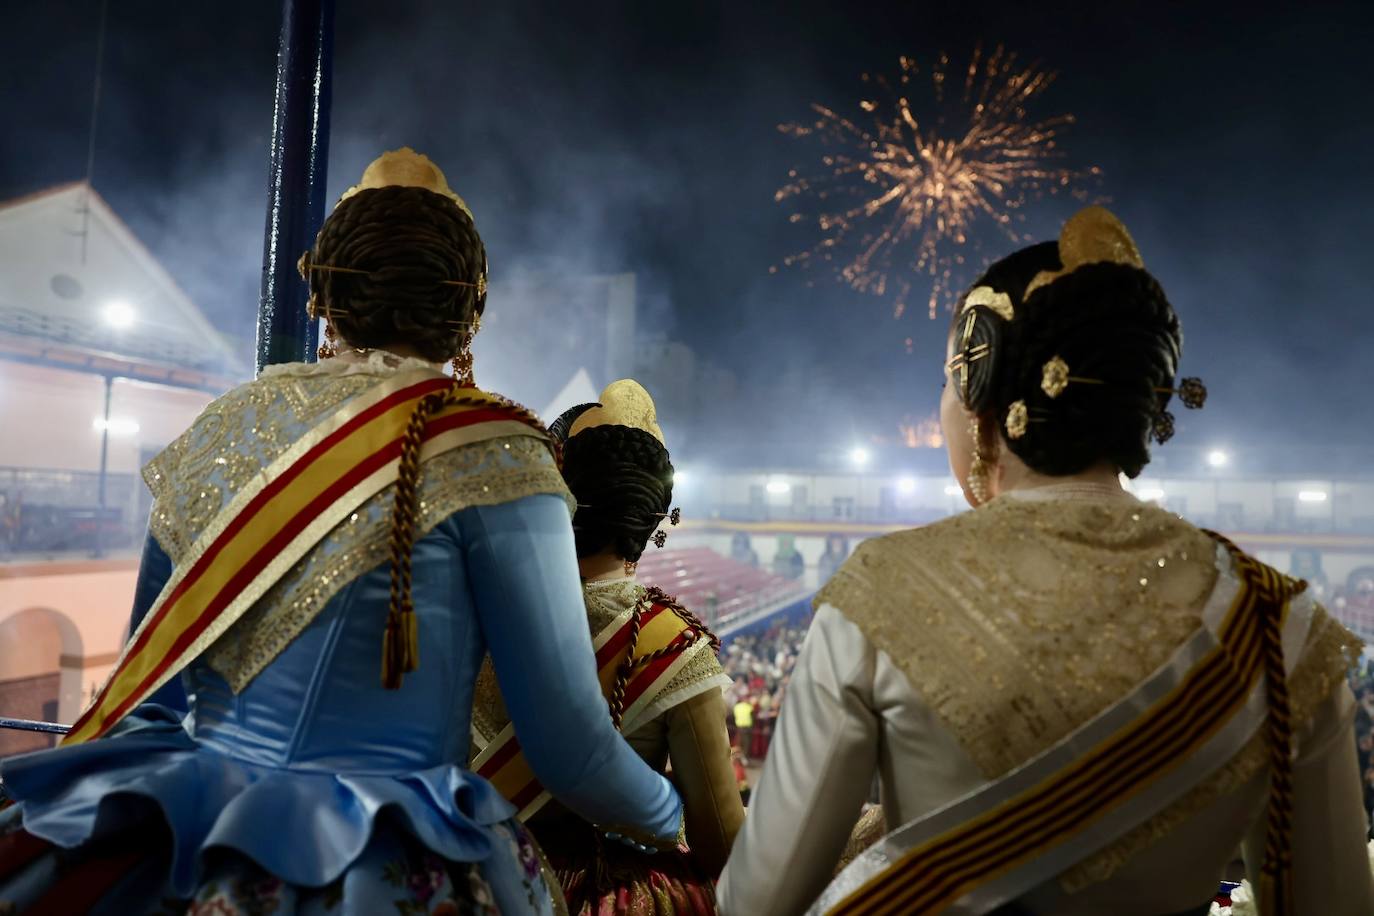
(1022, 620)
(243, 432)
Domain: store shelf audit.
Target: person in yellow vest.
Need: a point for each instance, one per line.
(1076, 702)
(334, 547)
(664, 682)
(744, 725)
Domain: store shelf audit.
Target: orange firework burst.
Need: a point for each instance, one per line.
(902, 199)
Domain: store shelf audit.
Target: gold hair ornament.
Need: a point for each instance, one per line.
(1019, 417)
(623, 403)
(1191, 392)
(405, 168)
(1093, 235)
(1054, 377)
(989, 298)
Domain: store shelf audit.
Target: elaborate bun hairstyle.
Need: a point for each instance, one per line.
(399, 261)
(1073, 348)
(618, 470)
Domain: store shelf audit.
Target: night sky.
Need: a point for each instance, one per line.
(1235, 144)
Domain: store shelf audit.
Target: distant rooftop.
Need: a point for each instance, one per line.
(76, 283)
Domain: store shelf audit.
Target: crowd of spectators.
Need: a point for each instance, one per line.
(1362, 682)
(761, 666)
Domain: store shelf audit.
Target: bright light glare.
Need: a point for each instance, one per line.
(680, 478)
(1150, 494)
(120, 314)
(906, 485)
(1312, 496)
(778, 487)
(953, 489)
(117, 426)
(1218, 459)
(859, 456)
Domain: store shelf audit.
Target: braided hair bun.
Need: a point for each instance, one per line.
(407, 241)
(622, 480)
(1108, 322)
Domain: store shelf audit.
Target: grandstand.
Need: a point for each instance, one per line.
(729, 596)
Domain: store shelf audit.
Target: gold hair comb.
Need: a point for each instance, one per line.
(989, 298)
(1093, 235)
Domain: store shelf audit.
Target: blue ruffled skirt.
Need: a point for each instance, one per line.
(150, 821)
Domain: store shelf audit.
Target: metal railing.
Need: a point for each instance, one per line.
(34, 725)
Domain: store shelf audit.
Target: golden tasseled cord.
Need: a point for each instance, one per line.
(1274, 591)
(695, 630)
(400, 643)
(1276, 886)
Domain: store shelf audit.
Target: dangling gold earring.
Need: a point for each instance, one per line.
(979, 469)
(329, 349)
(630, 568)
(462, 363)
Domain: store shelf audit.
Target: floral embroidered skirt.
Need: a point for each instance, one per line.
(604, 878)
(125, 873)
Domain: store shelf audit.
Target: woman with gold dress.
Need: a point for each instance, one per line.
(1075, 702)
(659, 668)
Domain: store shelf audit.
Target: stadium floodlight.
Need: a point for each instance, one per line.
(1217, 458)
(906, 485)
(119, 314)
(115, 426)
(859, 456)
(778, 487)
(1311, 496)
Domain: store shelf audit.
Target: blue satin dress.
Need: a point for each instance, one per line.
(327, 794)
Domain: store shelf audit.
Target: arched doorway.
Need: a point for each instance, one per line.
(40, 674)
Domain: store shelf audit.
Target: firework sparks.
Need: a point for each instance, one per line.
(903, 199)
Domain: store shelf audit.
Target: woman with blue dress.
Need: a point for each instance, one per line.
(333, 549)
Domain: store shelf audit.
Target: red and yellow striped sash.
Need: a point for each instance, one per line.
(503, 763)
(274, 521)
(936, 873)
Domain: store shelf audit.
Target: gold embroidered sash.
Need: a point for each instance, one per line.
(275, 520)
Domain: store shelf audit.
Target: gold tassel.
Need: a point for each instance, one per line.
(400, 646)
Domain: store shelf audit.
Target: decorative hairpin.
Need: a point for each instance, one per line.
(1162, 427)
(675, 517)
(1019, 416)
(1054, 378)
(660, 538)
(305, 267)
(1191, 392)
(968, 354)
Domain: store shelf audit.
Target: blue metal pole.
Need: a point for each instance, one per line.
(300, 159)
